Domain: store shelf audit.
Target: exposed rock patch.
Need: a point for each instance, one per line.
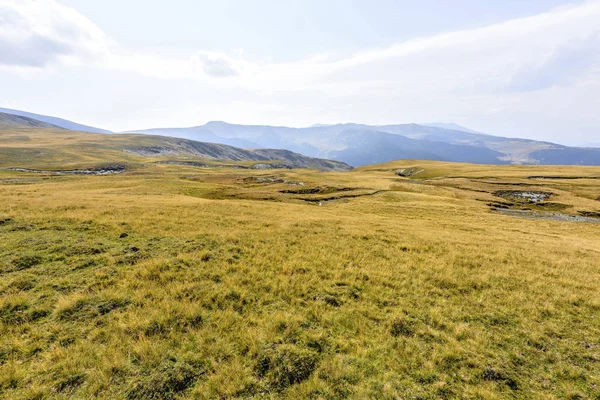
(151, 151)
(408, 172)
(105, 170)
(524, 197)
(202, 165)
(264, 158)
(272, 166)
(271, 180)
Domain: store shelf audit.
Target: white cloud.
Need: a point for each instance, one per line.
(488, 75)
(216, 65)
(562, 43)
(524, 54)
(35, 34)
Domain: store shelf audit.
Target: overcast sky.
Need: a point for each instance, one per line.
(527, 68)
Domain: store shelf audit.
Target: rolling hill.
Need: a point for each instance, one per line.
(17, 121)
(57, 148)
(62, 123)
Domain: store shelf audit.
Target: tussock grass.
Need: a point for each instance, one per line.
(225, 288)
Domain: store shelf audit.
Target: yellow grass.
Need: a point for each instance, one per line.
(225, 287)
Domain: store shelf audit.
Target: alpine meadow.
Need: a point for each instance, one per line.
(300, 200)
(135, 276)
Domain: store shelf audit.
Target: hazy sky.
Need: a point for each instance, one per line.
(528, 68)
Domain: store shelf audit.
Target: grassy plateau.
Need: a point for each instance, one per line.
(405, 280)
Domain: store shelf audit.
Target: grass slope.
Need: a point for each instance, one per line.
(16, 121)
(54, 121)
(173, 281)
(61, 149)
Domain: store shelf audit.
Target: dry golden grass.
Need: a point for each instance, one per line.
(225, 287)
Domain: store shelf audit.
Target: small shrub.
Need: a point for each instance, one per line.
(23, 284)
(167, 381)
(285, 365)
(332, 300)
(14, 313)
(402, 327)
(25, 262)
(491, 374)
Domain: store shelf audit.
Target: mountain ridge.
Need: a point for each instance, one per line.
(344, 143)
(333, 141)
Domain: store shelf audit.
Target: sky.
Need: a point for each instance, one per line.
(517, 68)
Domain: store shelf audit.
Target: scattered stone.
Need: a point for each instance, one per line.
(527, 196)
(106, 170)
(123, 235)
(271, 166)
(271, 179)
(407, 172)
(149, 151)
(202, 165)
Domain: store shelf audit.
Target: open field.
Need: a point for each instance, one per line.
(177, 281)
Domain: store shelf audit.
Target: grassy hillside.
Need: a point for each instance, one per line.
(413, 279)
(54, 121)
(8, 121)
(62, 149)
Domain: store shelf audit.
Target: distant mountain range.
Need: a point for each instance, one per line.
(21, 139)
(358, 144)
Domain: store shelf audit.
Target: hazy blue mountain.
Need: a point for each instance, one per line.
(449, 125)
(568, 156)
(590, 144)
(246, 136)
(62, 123)
(369, 147)
(200, 134)
(359, 144)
